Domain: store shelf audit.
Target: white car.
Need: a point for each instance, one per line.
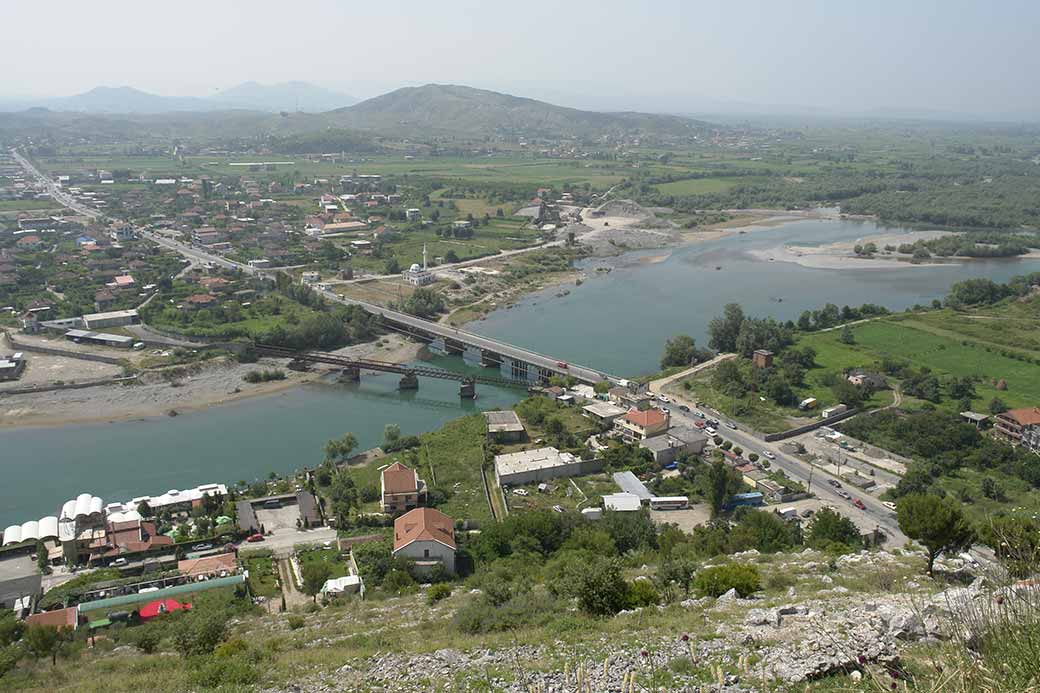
(732, 425)
(890, 505)
(520, 491)
(710, 431)
(769, 455)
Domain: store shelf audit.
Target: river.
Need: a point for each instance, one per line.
(616, 322)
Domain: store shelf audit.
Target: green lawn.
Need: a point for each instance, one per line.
(330, 557)
(262, 579)
(699, 186)
(455, 452)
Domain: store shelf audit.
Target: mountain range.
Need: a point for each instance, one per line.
(287, 96)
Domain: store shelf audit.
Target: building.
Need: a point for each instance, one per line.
(419, 276)
(347, 584)
(413, 214)
(622, 502)
(401, 489)
(116, 318)
(504, 427)
(529, 466)
(668, 447)
(220, 565)
(623, 397)
(1019, 426)
(99, 338)
(974, 418)
(461, 225)
(305, 502)
(262, 263)
(11, 367)
(762, 358)
(629, 483)
(639, 425)
(426, 536)
(59, 618)
(603, 412)
(688, 439)
(862, 378)
(310, 277)
(771, 489)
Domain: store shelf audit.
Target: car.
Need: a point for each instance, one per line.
(769, 455)
(890, 505)
(683, 407)
(202, 547)
(558, 508)
(845, 494)
(118, 562)
(665, 410)
(699, 424)
(520, 491)
(859, 504)
(834, 482)
(730, 424)
(710, 430)
(253, 538)
(808, 512)
(662, 398)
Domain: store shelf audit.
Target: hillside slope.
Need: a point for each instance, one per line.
(440, 108)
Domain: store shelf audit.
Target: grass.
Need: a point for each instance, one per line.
(262, 578)
(330, 557)
(562, 492)
(456, 452)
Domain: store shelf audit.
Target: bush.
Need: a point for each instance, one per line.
(437, 592)
(198, 632)
(214, 672)
(297, 622)
(146, 640)
(264, 376)
(642, 593)
(717, 580)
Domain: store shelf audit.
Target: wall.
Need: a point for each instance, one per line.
(437, 550)
(770, 437)
(64, 352)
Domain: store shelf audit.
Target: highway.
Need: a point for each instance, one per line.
(874, 514)
(54, 189)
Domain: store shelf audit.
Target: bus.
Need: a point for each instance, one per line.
(669, 503)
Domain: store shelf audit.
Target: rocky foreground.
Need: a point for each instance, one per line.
(730, 644)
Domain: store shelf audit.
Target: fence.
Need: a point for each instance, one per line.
(65, 352)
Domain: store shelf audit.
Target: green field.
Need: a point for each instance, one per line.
(700, 186)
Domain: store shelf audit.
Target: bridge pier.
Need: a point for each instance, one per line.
(409, 381)
(468, 389)
(350, 374)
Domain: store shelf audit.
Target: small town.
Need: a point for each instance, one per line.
(441, 353)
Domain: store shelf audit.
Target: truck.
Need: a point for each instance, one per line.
(831, 412)
(807, 404)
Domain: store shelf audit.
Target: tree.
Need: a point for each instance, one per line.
(828, 528)
(936, 523)
(723, 331)
(144, 510)
(199, 631)
(602, 590)
(718, 484)
(680, 350)
(339, 449)
(314, 576)
(1016, 541)
(997, 406)
(846, 336)
(43, 641)
(392, 266)
(391, 433)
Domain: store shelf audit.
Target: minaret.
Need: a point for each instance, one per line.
(424, 257)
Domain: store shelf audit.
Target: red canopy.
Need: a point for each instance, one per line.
(160, 607)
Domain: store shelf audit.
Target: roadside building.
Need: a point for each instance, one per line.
(529, 466)
(639, 425)
(117, 318)
(401, 489)
(624, 397)
(622, 502)
(504, 427)
(1019, 427)
(427, 536)
(771, 490)
(668, 447)
(604, 412)
(762, 358)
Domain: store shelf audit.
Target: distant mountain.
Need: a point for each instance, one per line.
(125, 100)
(288, 96)
(451, 109)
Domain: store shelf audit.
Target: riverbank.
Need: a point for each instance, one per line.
(212, 383)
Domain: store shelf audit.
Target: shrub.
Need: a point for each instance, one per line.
(214, 672)
(297, 622)
(642, 593)
(717, 580)
(437, 592)
(147, 640)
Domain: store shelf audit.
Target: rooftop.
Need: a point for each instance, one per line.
(397, 478)
(630, 484)
(423, 524)
(622, 502)
(647, 418)
(530, 460)
(503, 421)
(604, 410)
(1028, 416)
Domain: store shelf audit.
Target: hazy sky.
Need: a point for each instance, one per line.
(943, 55)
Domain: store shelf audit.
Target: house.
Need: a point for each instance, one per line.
(623, 397)
(974, 418)
(103, 300)
(30, 242)
(603, 412)
(428, 537)
(413, 214)
(59, 618)
(401, 489)
(771, 490)
(310, 277)
(1019, 427)
(529, 466)
(862, 378)
(11, 367)
(762, 358)
(262, 263)
(504, 427)
(639, 425)
(202, 300)
(122, 281)
(221, 565)
(661, 448)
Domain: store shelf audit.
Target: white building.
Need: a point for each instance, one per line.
(419, 276)
(426, 536)
(529, 466)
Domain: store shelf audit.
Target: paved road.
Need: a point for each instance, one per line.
(54, 189)
(875, 513)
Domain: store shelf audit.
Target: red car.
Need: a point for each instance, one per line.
(253, 538)
(859, 504)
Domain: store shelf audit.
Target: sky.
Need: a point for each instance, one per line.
(844, 56)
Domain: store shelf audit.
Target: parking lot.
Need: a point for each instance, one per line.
(275, 519)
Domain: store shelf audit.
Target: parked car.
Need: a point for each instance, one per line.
(890, 505)
(834, 482)
(118, 562)
(665, 410)
(202, 547)
(859, 504)
(699, 424)
(520, 491)
(253, 538)
(845, 494)
(710, 430)
(769, 455)
(808, 512)
(732, 425)
(683, 407)
(558, 508)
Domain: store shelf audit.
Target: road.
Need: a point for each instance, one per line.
(875, 514)
(54, 189)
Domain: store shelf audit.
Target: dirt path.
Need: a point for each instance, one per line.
(660, 384)
(293, 597)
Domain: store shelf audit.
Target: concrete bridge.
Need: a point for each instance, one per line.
(513, 363)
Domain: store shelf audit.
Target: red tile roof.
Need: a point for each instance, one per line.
(423, 524)
(398, 478)
(207, 565)
(647, 418)
(1029, 416)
